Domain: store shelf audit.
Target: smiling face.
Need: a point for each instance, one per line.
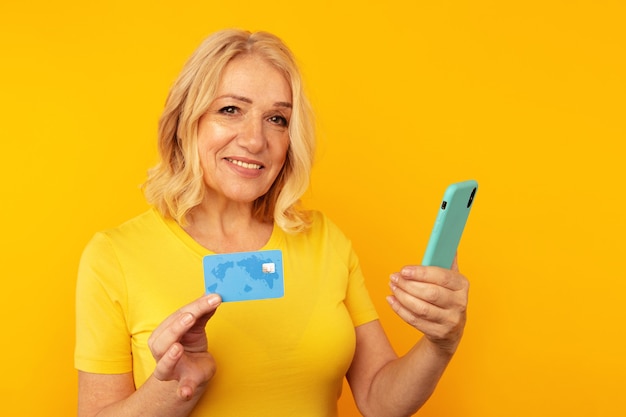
(243, 137)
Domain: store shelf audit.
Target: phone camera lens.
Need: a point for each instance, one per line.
(443, 205)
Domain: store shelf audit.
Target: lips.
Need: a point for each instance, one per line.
(243, 164)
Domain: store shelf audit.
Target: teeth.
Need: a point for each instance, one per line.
(244, 164)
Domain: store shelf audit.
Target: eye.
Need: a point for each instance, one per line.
(279, 120)
(229, 110)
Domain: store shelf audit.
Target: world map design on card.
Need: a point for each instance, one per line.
(245, 276)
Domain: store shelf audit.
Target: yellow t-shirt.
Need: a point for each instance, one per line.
(275, 357)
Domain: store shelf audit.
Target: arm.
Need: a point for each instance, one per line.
(184, 367)
(434, 301)
(115, 395)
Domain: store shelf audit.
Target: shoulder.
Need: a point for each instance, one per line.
(141, 223)
(321, 222)
(141, 228)
(323, 227)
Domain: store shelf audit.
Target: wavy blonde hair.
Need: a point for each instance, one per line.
(175, 185)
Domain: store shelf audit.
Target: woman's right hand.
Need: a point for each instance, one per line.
(180, 347)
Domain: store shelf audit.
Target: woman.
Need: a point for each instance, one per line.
(236, 143)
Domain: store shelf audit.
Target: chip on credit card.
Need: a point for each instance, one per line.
(242, 276)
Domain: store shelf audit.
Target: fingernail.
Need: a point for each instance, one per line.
(390, 299)
(214, 301)
(394, 278)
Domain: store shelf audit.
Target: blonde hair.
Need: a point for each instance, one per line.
(175, 185)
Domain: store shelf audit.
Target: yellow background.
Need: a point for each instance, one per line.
(527, 97)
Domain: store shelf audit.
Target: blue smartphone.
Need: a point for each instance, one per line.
(448, 228)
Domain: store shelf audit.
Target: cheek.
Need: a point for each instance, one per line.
(282, 148)
(280, 157)
(211, 139)
(204, 150)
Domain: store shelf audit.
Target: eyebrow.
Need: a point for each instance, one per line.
(247, 100)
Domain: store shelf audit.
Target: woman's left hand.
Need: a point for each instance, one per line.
(433, 300)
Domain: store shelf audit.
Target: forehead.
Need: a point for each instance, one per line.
(254, 77)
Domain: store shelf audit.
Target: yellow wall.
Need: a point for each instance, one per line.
(528, 97)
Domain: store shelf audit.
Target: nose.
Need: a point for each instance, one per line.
(252, 136)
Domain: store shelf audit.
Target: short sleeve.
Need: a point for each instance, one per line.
(102, 336)
(358, 300)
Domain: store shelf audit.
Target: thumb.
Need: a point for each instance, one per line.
(185, 390)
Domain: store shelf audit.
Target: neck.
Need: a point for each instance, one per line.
(227, 228)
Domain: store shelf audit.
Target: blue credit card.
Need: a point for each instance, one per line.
(245, 276)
